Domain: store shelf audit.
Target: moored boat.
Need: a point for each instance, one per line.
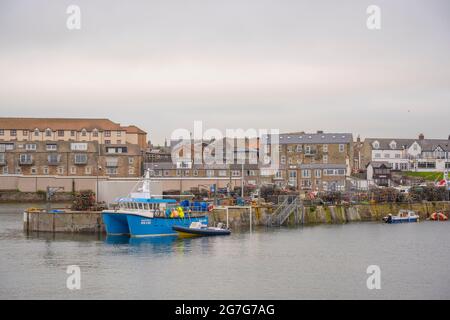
(197, 229)
(403, 216)
(142, 214)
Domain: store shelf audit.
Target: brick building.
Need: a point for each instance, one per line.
(79, 147)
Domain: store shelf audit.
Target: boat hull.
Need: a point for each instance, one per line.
(195, 232)
(395, 220)
(141, 226)
(115, 223)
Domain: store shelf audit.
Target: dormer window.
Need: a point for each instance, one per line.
(36, 132)
(83, 132)
(393, 145)
(376, 145)
(48, 132)
(95, 133)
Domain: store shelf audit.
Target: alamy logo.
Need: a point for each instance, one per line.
(73, 21)
(74, 280)
(374, 280)
(374, 19)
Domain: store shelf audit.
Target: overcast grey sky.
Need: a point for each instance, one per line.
(293, 65)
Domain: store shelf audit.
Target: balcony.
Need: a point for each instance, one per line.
(53, 160)
(112, 163)
(26, 161)
(81, 159)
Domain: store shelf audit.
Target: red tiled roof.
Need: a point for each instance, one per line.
(58, 124)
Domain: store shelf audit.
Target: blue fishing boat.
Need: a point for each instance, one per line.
(403, 216)
(142, 214)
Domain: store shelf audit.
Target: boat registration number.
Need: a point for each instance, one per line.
(146, 221)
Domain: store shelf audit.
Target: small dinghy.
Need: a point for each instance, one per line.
(402, 217)
(438, 216)
(197, 229)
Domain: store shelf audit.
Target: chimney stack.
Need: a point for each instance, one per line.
(319, 131)
(421, 136)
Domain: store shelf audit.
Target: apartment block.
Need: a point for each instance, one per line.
(315, 161)
(66, 147)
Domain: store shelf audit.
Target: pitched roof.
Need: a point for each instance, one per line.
(379, 164)
(315, 138)
(58, 124)
(425, 144)
(133, 129)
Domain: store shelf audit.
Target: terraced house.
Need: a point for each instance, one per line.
(70, 147)
(421, 155)
(315, 161)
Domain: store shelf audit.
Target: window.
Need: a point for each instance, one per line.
(393, 145)
(318, 173)
(325, 148)
(60, 133)
(6, 147)
(78, 146)
(387, 155)
(426, 165)
(95, 133)
(45, 170)
(279, 174)
(88, 170)
(131, 171)
(72, 133)
(30, 147)
(166, 173)
(377, 155)
(48, 132)
(5, 170)
(119, 133)
(195, 173)
(306, 173)
(210, 173)
(83, 133)
(107, 141)
(25, 159)
(51, 147)
(307, 149)
(447, 165)
(299, 148)
(18, 170)
(107, 133)
(80, 158)
(397, 155)
(53, 158)
(73, 170)
(325, 158)
(2, 132)
(119, 141)
(112, 162)
(2, 158)
(130, 160)
(341, 148)
(178, 173)
(36, 132)
(60, 170)
(25, 133)
(13, 132)
(222, 173)
(236, 173)
(186, 173)
(376, 145)
(111, 171)
(283, 159)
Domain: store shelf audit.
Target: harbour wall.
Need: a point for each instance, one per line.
(71, 221)
(240, 218)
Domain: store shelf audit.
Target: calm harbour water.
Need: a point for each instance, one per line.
(321, 262)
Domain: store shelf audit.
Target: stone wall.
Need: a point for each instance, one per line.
(328, 214)
(32, 197)
(63, 222)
